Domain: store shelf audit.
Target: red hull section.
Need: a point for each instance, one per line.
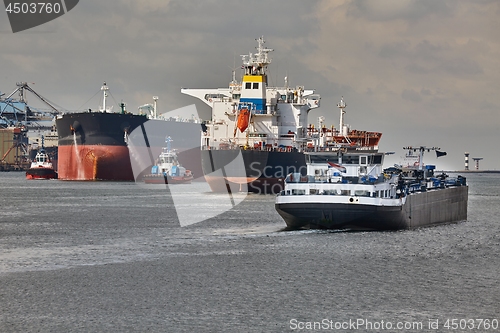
(94, 162)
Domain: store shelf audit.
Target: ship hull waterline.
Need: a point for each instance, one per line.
(260, 171)
(94, 162)
(41, 173)
(420, 210)
(167, 180)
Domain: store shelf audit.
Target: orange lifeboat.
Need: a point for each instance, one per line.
(243, 119)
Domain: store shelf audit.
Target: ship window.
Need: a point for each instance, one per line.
(361, 193)
(248, 85)
(377, 159)
(363, 160)
(313, 191)
(351, 160)
(298, 192)
(256, 85)
(293, 177)
(321, 158)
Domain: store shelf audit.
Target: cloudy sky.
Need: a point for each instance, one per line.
(423, 72)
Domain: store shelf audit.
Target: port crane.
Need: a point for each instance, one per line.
(17, 118)
(11, 109)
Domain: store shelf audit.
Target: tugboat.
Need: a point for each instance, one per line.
(350, 190)
(168, 170)
(41, 167)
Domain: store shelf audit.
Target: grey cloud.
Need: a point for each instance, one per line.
(411, 10)
(414, 68)
(461, 67)
(400, 48)
(411, 95)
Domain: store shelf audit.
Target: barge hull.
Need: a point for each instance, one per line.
(420, 210)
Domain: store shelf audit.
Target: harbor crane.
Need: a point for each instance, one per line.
(11, 108)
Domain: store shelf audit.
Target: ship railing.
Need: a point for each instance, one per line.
(412, 184)
(359, 190)
(252, 107)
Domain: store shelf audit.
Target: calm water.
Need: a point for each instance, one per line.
(111, 257)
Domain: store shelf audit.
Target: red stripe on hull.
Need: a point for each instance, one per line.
(47, 176)
(94, 162)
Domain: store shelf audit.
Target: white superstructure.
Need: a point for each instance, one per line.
(251, 115)
(352, 178)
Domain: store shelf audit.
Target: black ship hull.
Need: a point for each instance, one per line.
(420, 209)
(92, 145)
(257, 171)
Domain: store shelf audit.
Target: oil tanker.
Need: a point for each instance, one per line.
(267, 128)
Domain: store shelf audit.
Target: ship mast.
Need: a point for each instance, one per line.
(321, 138)
(421, 150)
(342, 106)
(169, 140)
(256, 64)
(155, 112)
(104, 89)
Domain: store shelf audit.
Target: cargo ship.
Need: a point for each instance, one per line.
(351, 191)
(93, 145)
(96, 145)
(267, 127)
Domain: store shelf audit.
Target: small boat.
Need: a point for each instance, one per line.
(351, 190)
(41, 167)
(168, 169)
